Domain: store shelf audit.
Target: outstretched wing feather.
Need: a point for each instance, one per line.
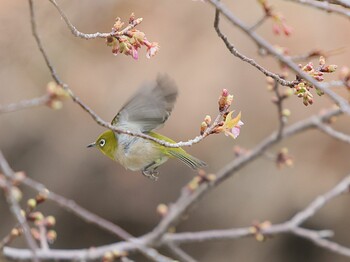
(150, 107)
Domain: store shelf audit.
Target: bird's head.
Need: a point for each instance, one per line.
(106, 143)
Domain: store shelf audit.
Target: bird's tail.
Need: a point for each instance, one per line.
(187, 159)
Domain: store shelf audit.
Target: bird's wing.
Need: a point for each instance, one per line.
(150, 107)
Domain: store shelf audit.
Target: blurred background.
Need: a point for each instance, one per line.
(50, 146)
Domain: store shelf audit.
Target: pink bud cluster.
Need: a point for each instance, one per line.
(129, 40)
(302, 89)
(229, 125)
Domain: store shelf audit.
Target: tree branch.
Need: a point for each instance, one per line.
(343, 104)
(325, 6)
(16, 209)
(25, 104)
(250, 61)
(327, 129)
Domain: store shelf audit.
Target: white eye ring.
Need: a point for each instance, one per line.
(102, 142)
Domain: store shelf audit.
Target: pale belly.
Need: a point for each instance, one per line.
(138, 154)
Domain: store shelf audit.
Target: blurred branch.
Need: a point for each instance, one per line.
(77, 210)
(16, 209)
(259, 22)
(326, 6)
(25, 104)
(92, 218)
(262, 43)
(344, 3)
(179, 253)
(279, 105)
(187, 199)
(292, 226)
(333, 133)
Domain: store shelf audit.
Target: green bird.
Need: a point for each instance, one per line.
(147, 110)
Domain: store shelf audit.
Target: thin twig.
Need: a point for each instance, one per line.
(87, 109)
(279, 105)
(16, 209)
(25, 104)
(43, 240)
(77, 33)
(325, 6)
(327, 129)
(291, 226)
(92, 218)
(187, 199)
(251, 61)
(259, 22)
(343, 104)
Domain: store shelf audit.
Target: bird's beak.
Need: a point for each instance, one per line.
(92, 144)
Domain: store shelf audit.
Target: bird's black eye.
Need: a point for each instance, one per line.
(102, 142)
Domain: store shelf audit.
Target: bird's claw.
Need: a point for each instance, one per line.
(151, 174)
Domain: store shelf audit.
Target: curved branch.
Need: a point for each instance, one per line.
(343, 104)
(333, 133)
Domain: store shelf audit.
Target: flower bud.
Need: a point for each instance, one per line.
(55, 104)
(286, 112)
(119, 254)
(204, 127)
(322, 61)
(16, 193)
(118, 24)
(329, 68)
(51, 236)
(207, 120)
(50, 221)
(162, 209)
(31, 203)
(15, 232)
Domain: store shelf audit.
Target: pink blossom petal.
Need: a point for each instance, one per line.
(134, 53)
(237, 129)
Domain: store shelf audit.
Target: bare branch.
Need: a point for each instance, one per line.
(259, 22)
(94, 116)
(279, 105)
(322, 242)
(327, 129)
(16, 209)
(25, 104)
(235, 52)
(77, 33)
(187, 199)
(92, 218)
(179, 253)
(344, 3)
(343, 104)
(320, 201)
(325, 6)
(291, 226)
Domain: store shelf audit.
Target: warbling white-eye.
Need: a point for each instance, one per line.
(147, 110)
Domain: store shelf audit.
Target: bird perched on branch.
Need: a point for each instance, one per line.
(147, 110)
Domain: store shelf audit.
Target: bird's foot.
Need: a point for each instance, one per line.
(151, 174)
